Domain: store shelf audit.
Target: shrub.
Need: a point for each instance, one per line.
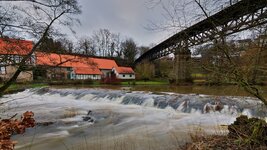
(11, 126)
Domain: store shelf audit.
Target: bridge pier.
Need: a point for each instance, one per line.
(182, 66)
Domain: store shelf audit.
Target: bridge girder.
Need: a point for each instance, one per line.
(241, 16)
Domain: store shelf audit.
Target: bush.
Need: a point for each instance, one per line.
(111, 80)
(11, 126)
(251, 131)
(72, 82)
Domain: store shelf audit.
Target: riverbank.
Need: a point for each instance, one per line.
(19, 87)
(244, 134)
(149, 86)
(229, 90)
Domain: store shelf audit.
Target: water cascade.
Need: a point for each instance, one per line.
(115, 119)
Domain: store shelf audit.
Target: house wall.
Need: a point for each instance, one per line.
(84, 77)
(57, 73)
(126, 76)
(8, 72)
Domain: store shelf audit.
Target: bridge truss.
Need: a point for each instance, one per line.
(241, 16)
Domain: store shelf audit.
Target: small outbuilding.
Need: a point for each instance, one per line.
(124, 73)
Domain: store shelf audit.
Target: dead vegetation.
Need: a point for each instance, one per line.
(244, 134)
(9, 127)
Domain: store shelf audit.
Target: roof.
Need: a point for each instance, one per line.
(105, 63)
(15, 47)
(81, 65)
(81, 70)
(52, 59)
(124, 70)
(85, 66)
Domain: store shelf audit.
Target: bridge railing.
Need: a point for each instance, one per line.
(238, 17)
(210, 13)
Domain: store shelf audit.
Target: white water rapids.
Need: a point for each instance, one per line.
(122, 120)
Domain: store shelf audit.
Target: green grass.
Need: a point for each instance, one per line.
(17, 87)
(199, 81)
(96, 83)
(198, 75)
(145, 83)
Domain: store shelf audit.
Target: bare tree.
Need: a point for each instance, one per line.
(224, 62)
(86, 46)
(106, 43)
(67, 45)
(35, 19)
(115, 45)
(231, 68)
(102, 40)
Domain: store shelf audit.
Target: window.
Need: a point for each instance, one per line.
(123, 75)
(130, 75)
(17, 59)
(3, 70)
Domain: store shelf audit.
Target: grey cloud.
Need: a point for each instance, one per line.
(125, 16)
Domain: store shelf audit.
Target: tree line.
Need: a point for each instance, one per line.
(102, 43)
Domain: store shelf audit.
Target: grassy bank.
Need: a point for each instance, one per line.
(144, 83)
(152, 86)
(17, 87)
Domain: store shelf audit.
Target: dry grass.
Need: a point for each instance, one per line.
(244, 134)
(219, 143)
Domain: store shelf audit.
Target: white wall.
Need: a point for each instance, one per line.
(84, 77)
(126, 76)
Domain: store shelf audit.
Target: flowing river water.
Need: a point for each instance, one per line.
(121, 119)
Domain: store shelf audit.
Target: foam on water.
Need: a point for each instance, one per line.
(120, 114)
(55, 134)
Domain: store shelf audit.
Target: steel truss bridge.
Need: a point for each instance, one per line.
(243, 15)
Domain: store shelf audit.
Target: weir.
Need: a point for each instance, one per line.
(111, 119)
(186, 103)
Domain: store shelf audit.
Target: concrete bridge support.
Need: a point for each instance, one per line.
(183, 66)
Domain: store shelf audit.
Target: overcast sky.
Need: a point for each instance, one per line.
(128, 17)
(132, 17)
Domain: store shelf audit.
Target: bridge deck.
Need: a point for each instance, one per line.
(233, 12)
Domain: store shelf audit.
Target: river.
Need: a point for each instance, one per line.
(122, 119)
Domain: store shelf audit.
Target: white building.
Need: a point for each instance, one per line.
(124, 73)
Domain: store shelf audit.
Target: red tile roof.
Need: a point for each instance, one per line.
(85, 66)
(124, 70)
(52, 59)
(15, 47)
(105, 63)
(81, 65)
(92, 71)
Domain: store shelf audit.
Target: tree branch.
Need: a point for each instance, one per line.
(33, 1)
